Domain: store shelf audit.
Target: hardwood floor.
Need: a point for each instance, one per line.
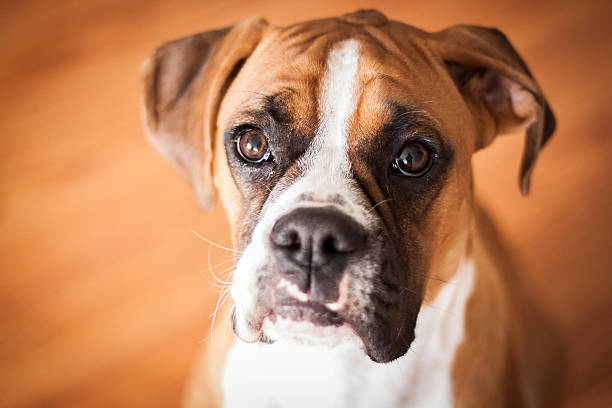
(103, 301)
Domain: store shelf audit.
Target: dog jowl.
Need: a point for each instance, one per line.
(341, 150)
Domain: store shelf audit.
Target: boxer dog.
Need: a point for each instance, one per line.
(341, 150)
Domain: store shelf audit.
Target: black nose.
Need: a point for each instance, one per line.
(313, 247)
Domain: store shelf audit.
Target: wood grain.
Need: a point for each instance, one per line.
(104, 294)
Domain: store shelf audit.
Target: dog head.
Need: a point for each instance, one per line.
(341, 150)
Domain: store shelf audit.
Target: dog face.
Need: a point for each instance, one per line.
(340, 220)
(341, 150)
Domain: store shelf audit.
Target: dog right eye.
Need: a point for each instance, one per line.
(252, 146)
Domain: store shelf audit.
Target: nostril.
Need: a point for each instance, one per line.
(333, 244)
(288, 239)
(294, 241)
(329, 245)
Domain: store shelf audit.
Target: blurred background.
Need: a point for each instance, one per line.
(104, 294)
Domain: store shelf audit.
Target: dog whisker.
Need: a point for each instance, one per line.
(379, 203)
(450, 282)
(437, 308)
(215, 275)
(220, 285)
(266, 187)
(214, 330)
(217, 282)
(222, 298)
(428, 277)
(225, 273)
(213, 243)
(424, 302)
(227, 321)
(231, 259)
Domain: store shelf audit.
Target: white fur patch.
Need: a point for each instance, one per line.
(327, 160)
(290, 375)
(306, 333)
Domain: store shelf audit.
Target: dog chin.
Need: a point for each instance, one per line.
(271, 329)
(308, 333)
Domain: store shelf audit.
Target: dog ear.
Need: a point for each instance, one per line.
(486, 67)
(184, 83)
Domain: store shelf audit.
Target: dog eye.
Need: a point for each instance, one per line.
(252, 146)
(413, 160)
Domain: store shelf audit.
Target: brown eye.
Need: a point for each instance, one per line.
(413, 160)
(253, 146)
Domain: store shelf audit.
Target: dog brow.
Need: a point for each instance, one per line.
(277, 106)
(403, 117)
(261, 109)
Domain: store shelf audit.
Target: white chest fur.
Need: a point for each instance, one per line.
(295, 376)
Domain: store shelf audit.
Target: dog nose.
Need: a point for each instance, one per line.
(313, 247)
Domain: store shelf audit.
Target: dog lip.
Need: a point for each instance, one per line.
(313, 312)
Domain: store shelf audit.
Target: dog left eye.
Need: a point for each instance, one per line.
(252, 146)
(413, 160)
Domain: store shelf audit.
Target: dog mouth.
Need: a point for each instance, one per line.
(381, 323)
(281, 317)
(307, 323)
(298, 311)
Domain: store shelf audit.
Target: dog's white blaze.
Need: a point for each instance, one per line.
(287, 374)
(328, 157)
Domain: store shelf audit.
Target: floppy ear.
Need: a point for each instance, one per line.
(184, 83)
(486, 67)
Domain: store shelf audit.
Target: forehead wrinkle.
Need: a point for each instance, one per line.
(411, 48)
(296, 93)
(405, 117)
(371, 110)
(300, 100)
(301, 34)
(275, 105)
(302, 45)
(381, 118)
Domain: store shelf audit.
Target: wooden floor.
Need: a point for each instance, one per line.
(104, 294)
